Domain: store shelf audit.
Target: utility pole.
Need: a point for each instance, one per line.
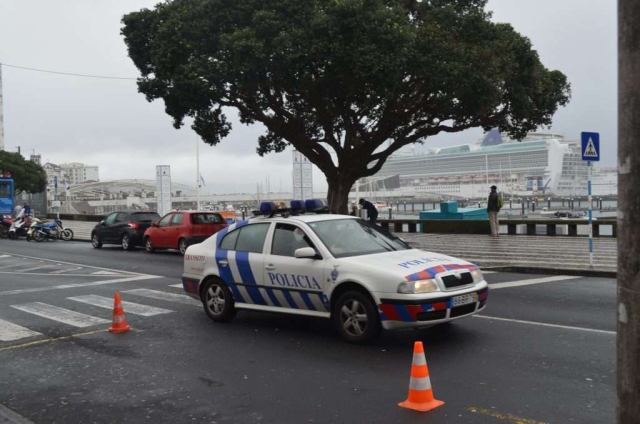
(628, 368)
(1, 113)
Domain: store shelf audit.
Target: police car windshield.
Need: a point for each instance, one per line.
(351, 237)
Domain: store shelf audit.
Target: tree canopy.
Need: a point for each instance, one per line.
(27, 176)
(345, 82)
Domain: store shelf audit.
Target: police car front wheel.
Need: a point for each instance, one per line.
(217, 301)
(356, 317)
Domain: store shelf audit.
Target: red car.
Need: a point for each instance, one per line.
(179, 230)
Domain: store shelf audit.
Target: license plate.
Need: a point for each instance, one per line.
(464, 299)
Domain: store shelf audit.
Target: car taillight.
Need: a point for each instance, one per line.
(133, 225)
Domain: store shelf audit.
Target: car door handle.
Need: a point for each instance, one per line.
(224, 263)
(270, 267)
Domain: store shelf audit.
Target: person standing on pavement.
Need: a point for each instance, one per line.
(493, 207)
(17, 211)
(27, 210)
(372, 212)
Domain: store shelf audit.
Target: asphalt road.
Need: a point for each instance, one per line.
(543, 351)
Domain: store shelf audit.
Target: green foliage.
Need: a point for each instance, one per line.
(27, 176)
(342, 76)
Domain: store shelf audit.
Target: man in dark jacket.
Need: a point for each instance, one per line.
(372, 212)
(493, 208)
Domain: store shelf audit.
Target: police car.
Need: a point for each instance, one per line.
(329, 266)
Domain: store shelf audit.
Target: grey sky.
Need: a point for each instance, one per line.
(109, 124)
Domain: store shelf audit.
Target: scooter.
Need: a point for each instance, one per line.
(19, 228)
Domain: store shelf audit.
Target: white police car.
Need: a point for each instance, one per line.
(329, 266)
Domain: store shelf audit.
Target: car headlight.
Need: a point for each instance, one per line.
(477, 275)
(420, 286)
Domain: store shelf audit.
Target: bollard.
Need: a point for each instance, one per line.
(533, 206)
(390, 216)
(523, 207)
(549, 203)
(243, 216)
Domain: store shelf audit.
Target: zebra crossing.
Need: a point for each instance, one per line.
(10, 331)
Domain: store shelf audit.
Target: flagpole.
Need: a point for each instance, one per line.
(198, 178)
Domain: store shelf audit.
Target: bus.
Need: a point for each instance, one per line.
(7, 199)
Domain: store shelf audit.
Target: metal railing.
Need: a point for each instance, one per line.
(527, 226)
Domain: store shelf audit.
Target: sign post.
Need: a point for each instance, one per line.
(590, 153)
(56, 197)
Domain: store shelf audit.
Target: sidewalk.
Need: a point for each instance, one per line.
(532, 254)
(81, 229)
(557, 254)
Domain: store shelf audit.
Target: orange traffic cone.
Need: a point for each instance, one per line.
(119, 322)
(420, 392)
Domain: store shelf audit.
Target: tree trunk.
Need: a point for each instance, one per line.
(628, 371)
(338, 195)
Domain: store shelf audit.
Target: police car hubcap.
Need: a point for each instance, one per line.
(216, 300)
(354, 318)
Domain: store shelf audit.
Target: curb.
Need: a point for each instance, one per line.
(7, 416)
(553, 271)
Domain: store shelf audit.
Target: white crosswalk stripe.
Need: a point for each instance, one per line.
(172, 297)
(10, 332)
(62, 315)
(177, 285)
(129, 307)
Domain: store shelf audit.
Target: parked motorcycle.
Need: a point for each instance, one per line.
(5, 224)
(51, 231)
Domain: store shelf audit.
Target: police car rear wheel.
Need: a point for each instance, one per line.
(356, 317)
(218, 302)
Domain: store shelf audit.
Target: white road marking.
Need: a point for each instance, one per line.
(10, 332)
(542, 324)
(180, 286)
(75, 264)
(531, 281)
(38, 267)
(4, 256)
(15, 264)
(62, 315)
(72, 286)
(129, 307)
(61, 271)
(105, 273)
(172, 297)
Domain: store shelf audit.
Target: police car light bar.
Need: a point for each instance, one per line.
(270, 209)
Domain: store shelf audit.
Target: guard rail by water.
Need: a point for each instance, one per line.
(527, 226)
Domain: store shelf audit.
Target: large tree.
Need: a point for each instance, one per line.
(28, 177)
(345, 82)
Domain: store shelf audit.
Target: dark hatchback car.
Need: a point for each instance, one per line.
(125, 228)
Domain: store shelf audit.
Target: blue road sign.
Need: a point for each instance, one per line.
(55, 182)
(591, 146)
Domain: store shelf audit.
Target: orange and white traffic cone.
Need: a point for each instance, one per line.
(119, 324)
(420, 392)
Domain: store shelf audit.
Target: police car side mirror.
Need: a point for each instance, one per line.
(306, 253)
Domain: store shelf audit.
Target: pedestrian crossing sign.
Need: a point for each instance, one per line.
(590, 146)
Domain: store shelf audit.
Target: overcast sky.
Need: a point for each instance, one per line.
(109, 124)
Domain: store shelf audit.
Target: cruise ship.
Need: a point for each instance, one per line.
(542, 164)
